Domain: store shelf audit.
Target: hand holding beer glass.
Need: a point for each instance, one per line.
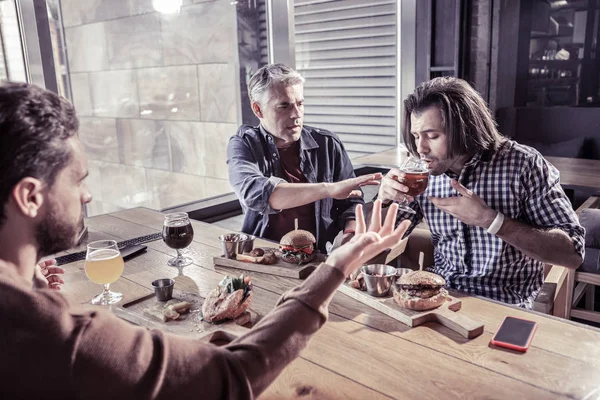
(414, 174)
(104, 265)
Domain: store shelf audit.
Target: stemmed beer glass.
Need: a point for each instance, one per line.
(414, 175)
(178, 233)
(104, 265)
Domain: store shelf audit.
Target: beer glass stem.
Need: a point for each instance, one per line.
(106, 292)
(403, 207)
(179, 254)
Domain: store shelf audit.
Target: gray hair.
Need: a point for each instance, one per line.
(261, 82)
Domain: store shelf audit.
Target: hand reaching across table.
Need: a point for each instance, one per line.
(367, 243)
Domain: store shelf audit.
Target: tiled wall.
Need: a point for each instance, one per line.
(157, 96)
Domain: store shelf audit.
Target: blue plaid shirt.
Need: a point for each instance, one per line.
(518, 182)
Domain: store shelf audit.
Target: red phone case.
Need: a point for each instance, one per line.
(513, 346)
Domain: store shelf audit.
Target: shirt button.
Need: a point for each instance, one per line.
(274, 154)
(269, 138)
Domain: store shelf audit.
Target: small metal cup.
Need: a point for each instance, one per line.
(402, 271)
(163, 288)
(229, 244)
(378, 286)
(245, 243)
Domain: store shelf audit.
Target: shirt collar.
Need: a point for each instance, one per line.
(307, 142)
(480, 156)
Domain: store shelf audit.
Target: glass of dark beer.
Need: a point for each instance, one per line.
(414, 173)
(178, 233)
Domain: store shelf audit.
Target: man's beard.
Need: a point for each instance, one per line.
(54, 234)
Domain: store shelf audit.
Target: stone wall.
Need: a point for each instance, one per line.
(157, 96)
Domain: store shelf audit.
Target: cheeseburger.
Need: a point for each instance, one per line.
(420, 290)
(298, 246)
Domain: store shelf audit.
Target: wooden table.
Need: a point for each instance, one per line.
(361, 353)
(574, 172)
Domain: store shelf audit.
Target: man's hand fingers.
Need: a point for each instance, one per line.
(444, 202)
(359, 180)
(55, 279)
(389, 194)
(47, 263)
(397, 235)
(395, 184)
(394, 172)
(375, 224)
(461, 189)
(361, 226)
(390, 221)
(55, 270)
(371, 183)
(355, 194)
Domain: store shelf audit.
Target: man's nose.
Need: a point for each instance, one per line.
(296, 112)
(87, 197)
(422, 147)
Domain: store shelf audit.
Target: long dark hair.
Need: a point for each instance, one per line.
(466, 118)
(34, 125)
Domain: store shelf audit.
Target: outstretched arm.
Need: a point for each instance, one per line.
(289, 195)
(143, 363)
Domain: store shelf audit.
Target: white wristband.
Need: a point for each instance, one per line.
(496, 224)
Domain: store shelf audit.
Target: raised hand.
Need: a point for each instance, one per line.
(468, 207)
(367, 243)
(347, 189)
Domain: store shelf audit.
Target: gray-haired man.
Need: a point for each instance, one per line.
(282, 170)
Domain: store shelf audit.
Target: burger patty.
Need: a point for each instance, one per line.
(423, 294)
(419, 287)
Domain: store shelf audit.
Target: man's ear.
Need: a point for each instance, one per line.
(28, 196)
(257, 109)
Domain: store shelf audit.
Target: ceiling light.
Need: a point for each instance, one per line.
(167, 6)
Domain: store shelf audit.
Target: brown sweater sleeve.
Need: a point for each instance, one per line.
(113, 359)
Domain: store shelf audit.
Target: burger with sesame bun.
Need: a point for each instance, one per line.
(298, 247)
(420, 291)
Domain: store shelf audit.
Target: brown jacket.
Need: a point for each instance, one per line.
(49, 349)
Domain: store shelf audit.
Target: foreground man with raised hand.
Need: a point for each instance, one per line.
(52, 349)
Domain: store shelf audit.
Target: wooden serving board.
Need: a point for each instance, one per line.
(446, 314)
(145, 311)
(280, 268)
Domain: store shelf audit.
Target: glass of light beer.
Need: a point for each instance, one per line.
(104, 265)
(414, 173)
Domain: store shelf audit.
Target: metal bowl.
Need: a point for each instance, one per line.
(163, 288)
(229, 244)
(402, 271)
(378, 278)
(245, 243)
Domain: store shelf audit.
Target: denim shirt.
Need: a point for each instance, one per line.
(255, 171)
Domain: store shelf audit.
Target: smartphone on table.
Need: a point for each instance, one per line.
(515, 333)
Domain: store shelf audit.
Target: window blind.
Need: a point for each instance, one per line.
(346, 50)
